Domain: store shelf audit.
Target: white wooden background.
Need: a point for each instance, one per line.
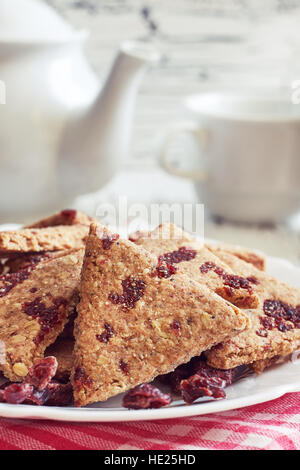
(205, 44)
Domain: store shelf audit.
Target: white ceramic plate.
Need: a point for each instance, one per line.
(271, 384)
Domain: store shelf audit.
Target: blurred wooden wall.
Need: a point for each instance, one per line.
(206, 44)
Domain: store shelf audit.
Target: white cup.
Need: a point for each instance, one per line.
(247, 166)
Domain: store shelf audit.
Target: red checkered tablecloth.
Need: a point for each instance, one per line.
(272, 426)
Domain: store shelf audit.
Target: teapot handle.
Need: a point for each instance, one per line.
(198, 133)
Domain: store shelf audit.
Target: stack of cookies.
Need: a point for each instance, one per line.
(86, 315)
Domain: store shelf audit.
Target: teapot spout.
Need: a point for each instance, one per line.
(96, 144)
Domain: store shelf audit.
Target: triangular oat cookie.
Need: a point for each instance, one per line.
(134, 324)
(35, 304)
(61, 237)
(190, 257)
(64, 217)
(275, 323)
(250, 256)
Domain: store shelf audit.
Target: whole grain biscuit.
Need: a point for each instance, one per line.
(258, 367)
(134, 324)
(190, 257)
(275, 323)
(14, 261)
(43, 239)
(64, 217)
(250, 256)
(35, 304)
(20, 261)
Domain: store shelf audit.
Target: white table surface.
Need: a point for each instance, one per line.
(146, 186)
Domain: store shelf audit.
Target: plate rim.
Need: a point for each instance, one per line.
(120, 414)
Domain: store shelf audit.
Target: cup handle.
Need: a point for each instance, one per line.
(199, 133)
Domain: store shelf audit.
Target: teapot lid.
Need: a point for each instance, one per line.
(31, 21)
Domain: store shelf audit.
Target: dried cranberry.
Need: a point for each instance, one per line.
(165, 270)
(41, 373)
(81, 378)
(262, 333)
(208, 381)
(278, 313)
(284, 327)
(38, 388)
(114, 297)
(107, 334)
(165, 267)
(252, 279)
(208, 266)
(17, 393)
(60, 394)
(219, 271)
(146, 396)
(9, 281)
(124, 366)
(196, 379)
(175, 325)
(48, 317)
(182, 254)
(231, 280)
(198, 386)
(107, 240)
(39, 397)
(273, 308)
(69, 214)
(54, 394)
(237, 282)
(267, 323)
(173, 379)
(133, 290)
(296, 318)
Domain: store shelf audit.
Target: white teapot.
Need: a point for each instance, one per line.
(61, 134)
